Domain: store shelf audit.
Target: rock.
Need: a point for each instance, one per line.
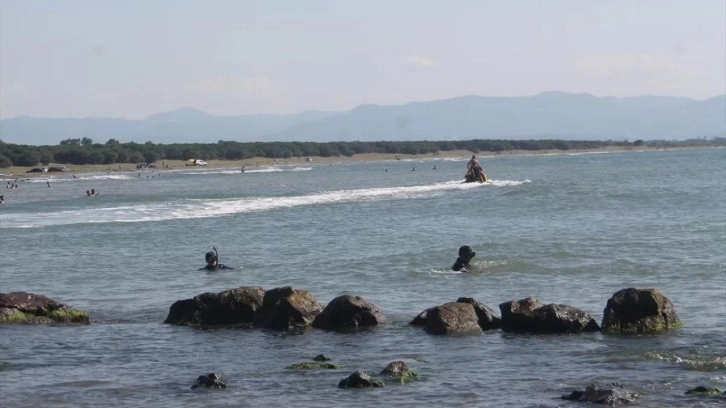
(321, 358)
(349, 313)
(400, 371)
(360, 379)
(596, 395)
(636, 311)
(421, 318)
(564, 319)
(287, 308)
(531, 316)
(231, 307)
(210, 381)
(313, 365)
(488, 319)
(701, 390)
(452, 318)
(30, 308)
(520, 315)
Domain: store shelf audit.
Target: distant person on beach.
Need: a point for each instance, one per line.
(2, 199)
(212, 259)
(48, 182)
(463, 261)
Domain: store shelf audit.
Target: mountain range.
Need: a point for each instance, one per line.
(551, 115)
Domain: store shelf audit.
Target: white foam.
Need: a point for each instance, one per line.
(206, 208)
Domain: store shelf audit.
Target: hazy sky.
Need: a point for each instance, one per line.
(76, 58)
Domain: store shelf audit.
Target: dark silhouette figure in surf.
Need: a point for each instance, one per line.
(463, 262)
(212, 259)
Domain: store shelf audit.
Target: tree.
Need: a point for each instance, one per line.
(86, 141)
(70, 142)
(5, 162)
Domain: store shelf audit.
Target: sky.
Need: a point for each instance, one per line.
(131, 59)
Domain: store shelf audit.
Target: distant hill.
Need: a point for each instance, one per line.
(557, 115)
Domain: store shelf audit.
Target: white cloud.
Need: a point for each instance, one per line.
(231, 86)
(417, 60)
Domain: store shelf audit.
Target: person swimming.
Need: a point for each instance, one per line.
(463, 261)
(212, 260)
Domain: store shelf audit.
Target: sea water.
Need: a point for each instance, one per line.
(566, 228)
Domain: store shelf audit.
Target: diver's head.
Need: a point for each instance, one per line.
(210, 257)
(465, 252)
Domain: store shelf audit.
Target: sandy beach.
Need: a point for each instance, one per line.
(22, 171)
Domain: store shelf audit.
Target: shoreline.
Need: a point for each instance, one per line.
(17, 172)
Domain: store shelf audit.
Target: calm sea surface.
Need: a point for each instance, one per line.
(569, 228)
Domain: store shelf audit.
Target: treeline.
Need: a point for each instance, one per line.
(85, 151)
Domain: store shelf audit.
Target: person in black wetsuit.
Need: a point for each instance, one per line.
(463, 261)
(212, 259)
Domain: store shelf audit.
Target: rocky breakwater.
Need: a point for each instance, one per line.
(30, 308)
(281, 309)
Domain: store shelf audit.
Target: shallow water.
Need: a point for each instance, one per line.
(569, 229)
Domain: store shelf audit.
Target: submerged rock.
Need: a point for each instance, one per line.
(701, 390)
(349, 313)
(30, 308)
(210, 381)
(360, 379)
(636, 311)
(322, 357)
(313, 365)
(400, 371)
(596, 395)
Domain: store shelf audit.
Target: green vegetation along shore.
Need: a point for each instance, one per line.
(84, 152)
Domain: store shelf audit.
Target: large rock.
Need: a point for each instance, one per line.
(287, 308)
(349, 313)
(520, 315)
(240, 306)
(488, 318)
(564, 319)
(635, 311)
(24, 307)
(458, 317)
(452, 318)
(530, 315)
